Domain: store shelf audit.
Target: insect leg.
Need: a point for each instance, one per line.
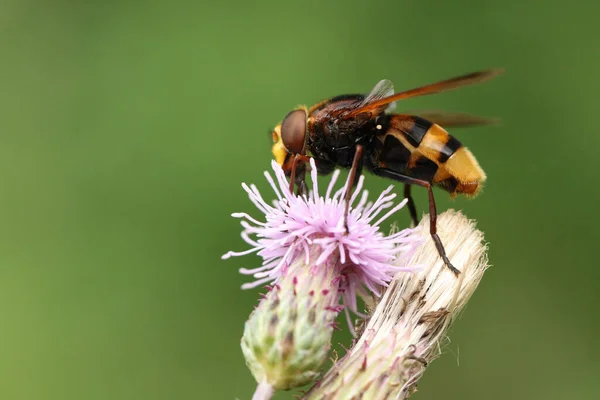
(355, 172)
(293, 173)
(298, 179)
(412, 209)
(301, 188)
(388, 173)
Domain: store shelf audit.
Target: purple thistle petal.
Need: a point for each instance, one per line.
(293, 225)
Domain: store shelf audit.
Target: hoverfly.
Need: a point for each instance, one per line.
(356, 131)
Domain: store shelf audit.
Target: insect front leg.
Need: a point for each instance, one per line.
(355, 172)
(302, 189)
(297, 174)
(388, 173)
(293, 173)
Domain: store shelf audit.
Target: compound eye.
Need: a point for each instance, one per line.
(293, 131)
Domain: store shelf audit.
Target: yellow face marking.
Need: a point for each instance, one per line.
(279, 150)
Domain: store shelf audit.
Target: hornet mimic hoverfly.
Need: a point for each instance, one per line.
(356, 131)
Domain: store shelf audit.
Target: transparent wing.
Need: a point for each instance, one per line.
(383, 89)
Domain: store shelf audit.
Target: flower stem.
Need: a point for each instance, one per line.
(264, 391)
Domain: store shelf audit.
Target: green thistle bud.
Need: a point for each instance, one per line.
(288, 336)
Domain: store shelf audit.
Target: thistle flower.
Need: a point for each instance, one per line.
(312, 263)
(406, 328)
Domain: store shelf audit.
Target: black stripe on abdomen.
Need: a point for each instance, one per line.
(415, 134)
(449, 148)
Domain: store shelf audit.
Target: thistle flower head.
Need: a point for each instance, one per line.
(293, 224)
(312, 261)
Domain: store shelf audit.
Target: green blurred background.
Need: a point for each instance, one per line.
(126, 129)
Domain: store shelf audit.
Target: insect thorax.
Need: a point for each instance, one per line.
(335, 141)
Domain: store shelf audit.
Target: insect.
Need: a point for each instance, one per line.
(359, 131)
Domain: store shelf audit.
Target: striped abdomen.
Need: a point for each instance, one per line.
(424, 150)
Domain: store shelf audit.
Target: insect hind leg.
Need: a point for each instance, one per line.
(408, 180)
